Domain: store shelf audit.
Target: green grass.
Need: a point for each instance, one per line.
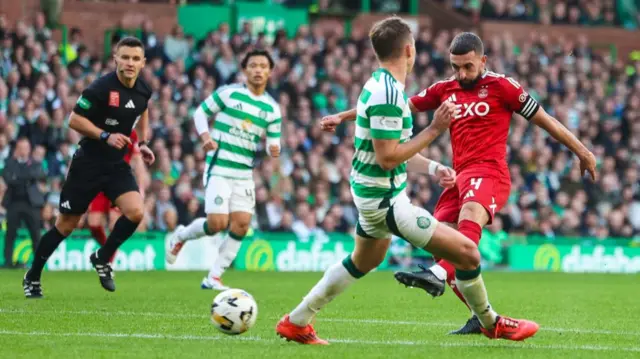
(165, 315)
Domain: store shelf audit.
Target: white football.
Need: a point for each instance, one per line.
(234, 311)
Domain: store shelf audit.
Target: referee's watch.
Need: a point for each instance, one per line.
(142, 143)
(104, 136)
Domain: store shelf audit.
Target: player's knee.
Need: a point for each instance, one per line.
(469, 256)
(135, 214)
(216, 225)
(66, 224)
(475, 212)
(240, 229)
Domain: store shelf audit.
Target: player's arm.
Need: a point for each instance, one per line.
(87, 106)
(523, 104)
(426, 100)
(446, 176)
(386, 128)
(84, 126)
(273, 136)
(207, 109)
(550, 124)
(142, 127)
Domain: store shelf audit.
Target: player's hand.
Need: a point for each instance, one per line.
(588, 164)
(147, 155)
(443, 116)
(274, 150)
(118, 140)
(329, 123)
(446, 176)
(209, 145)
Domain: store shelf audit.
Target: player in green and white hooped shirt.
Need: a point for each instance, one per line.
(384, 153)
(244, 115)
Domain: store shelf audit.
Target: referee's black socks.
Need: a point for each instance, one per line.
(122, 230)
(48, 244)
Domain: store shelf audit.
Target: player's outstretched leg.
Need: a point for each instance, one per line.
(433, 279)
(199, 228)
(130, 203)
(238, 228)
(65, 223)
(226, 254)
(368, 254)
(463, 253)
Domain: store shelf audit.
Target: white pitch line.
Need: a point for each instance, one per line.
(328, 320)
(335, 341)
(444, 324)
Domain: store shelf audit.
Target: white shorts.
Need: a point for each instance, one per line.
(226, 195)
(414, 224)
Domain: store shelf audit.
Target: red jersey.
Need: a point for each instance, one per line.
(479, 132)
(133, 147)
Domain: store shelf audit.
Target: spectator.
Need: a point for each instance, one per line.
(176, 46)
(320, 72)
(23, 198)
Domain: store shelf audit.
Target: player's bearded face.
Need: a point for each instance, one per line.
(129, 61)
(258, 71)
(468, 68)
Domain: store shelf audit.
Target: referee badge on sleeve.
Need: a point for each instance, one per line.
(84, 103)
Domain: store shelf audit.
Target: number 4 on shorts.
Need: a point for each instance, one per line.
(475, 183)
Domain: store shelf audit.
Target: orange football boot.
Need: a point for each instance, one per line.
(512, 329)
(302, 335)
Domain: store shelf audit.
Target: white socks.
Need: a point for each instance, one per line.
(194, 230)
(227, 253)
(439, 272)
(475, 293)
(336, 279)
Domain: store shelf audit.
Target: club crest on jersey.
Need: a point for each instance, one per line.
(246, 125)
(263, 114)
(423, 93)
(522, 98)
(483, 93)
(114, 99)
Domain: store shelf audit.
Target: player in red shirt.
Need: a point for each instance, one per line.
(101, 210)
(486, 102)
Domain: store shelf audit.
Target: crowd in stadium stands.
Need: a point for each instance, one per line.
(316, 74)
(577, 12)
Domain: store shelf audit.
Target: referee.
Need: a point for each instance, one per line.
(105, 115)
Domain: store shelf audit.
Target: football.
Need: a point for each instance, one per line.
(234, 311)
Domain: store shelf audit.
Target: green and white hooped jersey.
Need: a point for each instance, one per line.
(383, 113)
(242, 120)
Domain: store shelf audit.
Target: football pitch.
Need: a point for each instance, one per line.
(166, 315)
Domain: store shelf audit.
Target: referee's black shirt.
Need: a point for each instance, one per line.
(114, 108)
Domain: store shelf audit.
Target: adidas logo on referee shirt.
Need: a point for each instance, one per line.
(65, 205)
(130, 104)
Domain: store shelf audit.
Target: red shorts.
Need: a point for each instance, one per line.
(490, 188)
(100, 204)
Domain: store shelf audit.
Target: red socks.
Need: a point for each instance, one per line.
(473, 231)
(99, 234)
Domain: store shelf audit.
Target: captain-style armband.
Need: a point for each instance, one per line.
(433, 167)
(529, 106)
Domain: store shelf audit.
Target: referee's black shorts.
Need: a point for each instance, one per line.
(89, 176)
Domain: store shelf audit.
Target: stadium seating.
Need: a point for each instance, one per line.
(317, 74)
